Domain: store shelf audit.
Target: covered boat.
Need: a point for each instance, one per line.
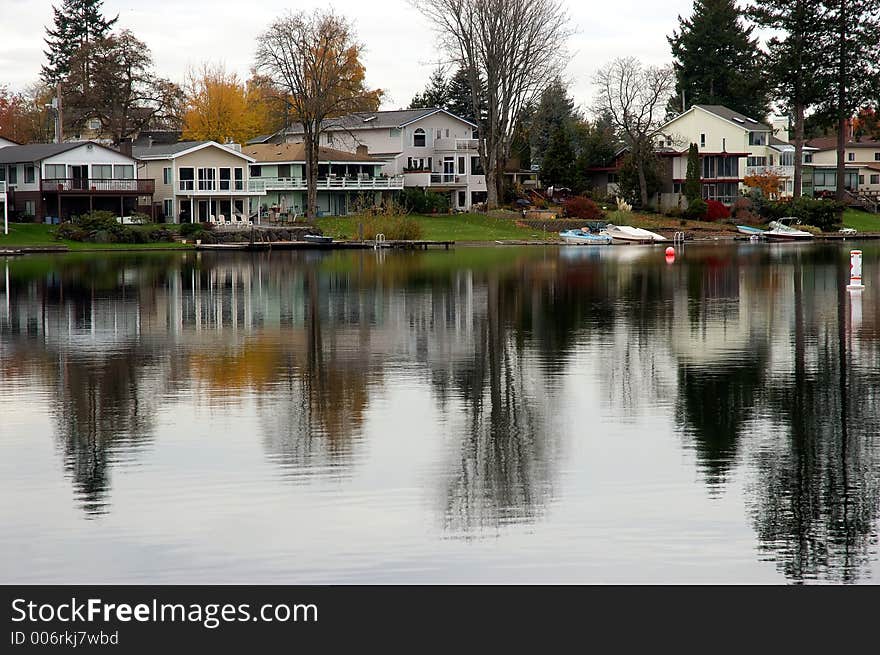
(584, 238)
(628, 234)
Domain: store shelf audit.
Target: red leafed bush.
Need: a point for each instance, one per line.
(716, 210)
(581, 207)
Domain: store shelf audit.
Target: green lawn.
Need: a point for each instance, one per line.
(442, 227)
(37, 234)
(862, 221)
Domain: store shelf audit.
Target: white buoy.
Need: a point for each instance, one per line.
(855, 271)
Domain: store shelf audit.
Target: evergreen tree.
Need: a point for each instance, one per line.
(595, 145)
(77, 23)
(460, 102)
(717, 62)
(436, 94)
(793, 59)
(850, 78)
(557, 163)
(692, 189)
(554, 111)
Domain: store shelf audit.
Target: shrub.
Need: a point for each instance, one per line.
(393, 227)
(674, 212)
(696, 209)
(420, 201)
(102, 227)
(582, 207)
(716, 210)
(823, 214)
(188, 229)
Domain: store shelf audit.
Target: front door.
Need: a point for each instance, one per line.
(79, 177)
(448, 169)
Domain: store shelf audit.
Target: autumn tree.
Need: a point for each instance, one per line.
(768, 183)
(510, 50)
(22, 115)
(634, 97)
(315, 59)
(76, 24)
(219, 107)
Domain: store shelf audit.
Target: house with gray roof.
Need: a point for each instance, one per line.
(432, 148)
(57, 181)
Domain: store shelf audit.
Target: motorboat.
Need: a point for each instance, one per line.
(628, 234)
(783, 230)
(585, 238)
(750, 231)
(317, 238)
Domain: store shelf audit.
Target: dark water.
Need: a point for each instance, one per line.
(498, 414)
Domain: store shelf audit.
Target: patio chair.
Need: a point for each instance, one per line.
(211, 219)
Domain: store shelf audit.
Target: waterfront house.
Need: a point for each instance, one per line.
(344, 179)
(432, 149)
(862, 164)
(199, 181)
(52, 181)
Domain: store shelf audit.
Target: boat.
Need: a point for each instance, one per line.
(782, 230)
(585, 238)
(628, 234)
(317, 238)
(750, 231)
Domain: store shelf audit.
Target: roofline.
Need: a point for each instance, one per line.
(437, 111)
(721, 118)
(73, 145)
(175, 155)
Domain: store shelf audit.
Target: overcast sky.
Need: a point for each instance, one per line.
(401, 48)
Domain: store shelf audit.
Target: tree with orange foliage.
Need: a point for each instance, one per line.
(768, 182)
(221, 108)
(315, 60)
(22, 115)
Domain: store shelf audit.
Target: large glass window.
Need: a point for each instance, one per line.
(239, 179)
(419, 138)
(186, 177)
(56, 171)
(102, 171)
(256, 171)
(757, 138)
(29, 175)
(123, 171)
(476, 166)
(461, 169)
(225, 177)
(206, 179)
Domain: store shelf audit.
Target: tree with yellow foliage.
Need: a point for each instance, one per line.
(221, 108)
(315, 59)
(768, 182)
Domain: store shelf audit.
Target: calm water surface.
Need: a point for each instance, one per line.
(497, 414)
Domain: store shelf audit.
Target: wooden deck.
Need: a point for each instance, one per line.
(335, 245)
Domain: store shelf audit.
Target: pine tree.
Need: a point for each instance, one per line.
(717, 62)
(555, 110)
(460, 101)
(76, 24)
(692, 189)
(557, 163)
(793, 59)
(436, 94)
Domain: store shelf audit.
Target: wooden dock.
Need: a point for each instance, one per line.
(335, 245)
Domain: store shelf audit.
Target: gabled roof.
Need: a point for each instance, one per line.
(296, 152)
(378, 119)
(174, 150)
(34, 152)
(735, 117)
(830, 143)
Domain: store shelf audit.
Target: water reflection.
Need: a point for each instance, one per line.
(754, 358)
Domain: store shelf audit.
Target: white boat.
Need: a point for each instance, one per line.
(782, 230)
(628, 234)
(748, 230)
(584, 238)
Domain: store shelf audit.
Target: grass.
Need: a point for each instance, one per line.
(861, 221)
(443, 227)
(38, 234)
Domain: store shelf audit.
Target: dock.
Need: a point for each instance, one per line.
(335, 245)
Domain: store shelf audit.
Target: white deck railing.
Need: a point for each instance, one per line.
(300, 184)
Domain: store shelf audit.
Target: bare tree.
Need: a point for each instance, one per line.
(314, 59)
(511, 50)
(635, 98)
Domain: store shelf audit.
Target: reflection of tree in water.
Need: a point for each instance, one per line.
(504, 471)
(816, 496)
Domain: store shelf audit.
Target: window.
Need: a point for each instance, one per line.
(676, 186)
(476, 166)
(56, 171)
(462, 198)
(29, 175)
(702, 140)
(256, 171)
(124, 171)
(461, 168)
(808, 157)
(206, 179)
(166, 175)
(875, 179)
(757, 138)
(447, 136)
(723, 145)
(394, 132)
(30, 207)
(329, 138)
(850, 156)
(225, 176)
(861, 179)
(419, 138)
(186, 177)
(239, 179)
(102, 171)
(13, 175)
(877, 156)
(2, 173)
(439, 133)
(756, 161)
(167, 207)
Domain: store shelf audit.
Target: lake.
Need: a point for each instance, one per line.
(506, 414)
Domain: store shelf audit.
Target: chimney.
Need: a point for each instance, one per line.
(125, 147)
(780, 128)
(362, 151)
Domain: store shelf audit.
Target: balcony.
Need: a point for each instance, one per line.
(92, 186)
(211, 187)
(456, 144)
(261, 185)
(781, 171)
(447, 179)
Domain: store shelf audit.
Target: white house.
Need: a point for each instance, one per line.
(862, 163)
(431, 148)
(62, 180)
